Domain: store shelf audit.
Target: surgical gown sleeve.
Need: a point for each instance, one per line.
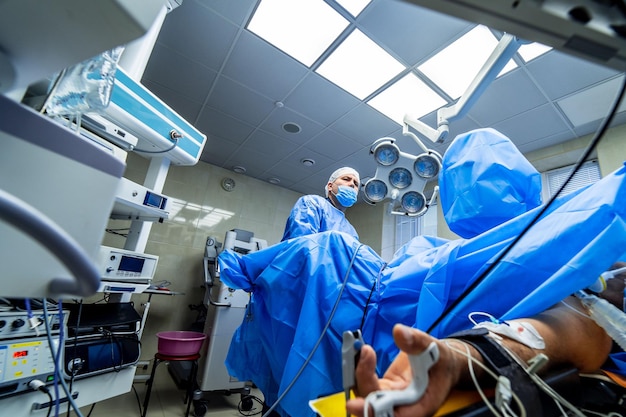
(315, 214)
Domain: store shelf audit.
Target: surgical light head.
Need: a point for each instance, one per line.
(401, 177)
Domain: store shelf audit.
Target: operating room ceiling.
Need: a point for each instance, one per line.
(240, 91)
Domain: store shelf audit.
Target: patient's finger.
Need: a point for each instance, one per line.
(410, 340)
(365, 373)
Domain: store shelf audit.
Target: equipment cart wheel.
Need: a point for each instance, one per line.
(246, 402)
(199, 408)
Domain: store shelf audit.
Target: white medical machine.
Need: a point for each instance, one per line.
(57, 191)
(226, 308)
(121, 265)
(149, 125)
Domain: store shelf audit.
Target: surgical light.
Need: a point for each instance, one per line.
(386, 153)
(426, 166)
(375, 190)
(400, 177)
(413, 202)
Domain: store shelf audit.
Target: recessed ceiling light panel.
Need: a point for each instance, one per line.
(359, 65)
(304, 29)
(456, 66)
(409, 95)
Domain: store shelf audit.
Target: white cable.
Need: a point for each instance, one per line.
(574, 309)
(470, 362)
(606, 275)
(543, 385)
(471, 315)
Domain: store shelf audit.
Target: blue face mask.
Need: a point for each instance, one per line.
(346, 196)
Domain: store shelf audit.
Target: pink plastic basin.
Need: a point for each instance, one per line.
(179, 343)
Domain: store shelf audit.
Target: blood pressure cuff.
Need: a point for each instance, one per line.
(501, 363)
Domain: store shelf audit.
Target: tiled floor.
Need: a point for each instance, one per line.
(167, 400)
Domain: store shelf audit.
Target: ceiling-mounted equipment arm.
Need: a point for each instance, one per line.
(503, 52)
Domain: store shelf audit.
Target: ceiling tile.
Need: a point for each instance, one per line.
(593, 103)
(256, 163)
(320, 100)
(411, 32)
(218, 150)
(198, 33)
(535, 124)
(511, 94)
(268, 144)
(288, 173)
(179, 73)
(185, 107)
(282, 115)
(237, 11)
(274, 73)
(560, 74)
(234, 98)
(214, 122)
(364, 125)
(333, 144)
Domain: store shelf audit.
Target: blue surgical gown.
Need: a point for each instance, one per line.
(315, 214)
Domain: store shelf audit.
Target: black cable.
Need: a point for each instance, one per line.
(74, 351)
(369, 297)
(138, 400)
(91, 409)
(592, 145)
(250, 412)
(50, 402)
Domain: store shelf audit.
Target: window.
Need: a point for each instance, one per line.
(552, 180)
(408, 227)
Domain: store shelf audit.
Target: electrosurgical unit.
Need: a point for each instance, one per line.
(125, 265)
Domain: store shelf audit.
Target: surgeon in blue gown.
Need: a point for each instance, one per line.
(314, 214)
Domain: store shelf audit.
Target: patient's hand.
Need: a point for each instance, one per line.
(442, 376)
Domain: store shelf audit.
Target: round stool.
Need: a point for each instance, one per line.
(158, 358)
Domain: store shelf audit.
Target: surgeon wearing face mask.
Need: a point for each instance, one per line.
(314, 214)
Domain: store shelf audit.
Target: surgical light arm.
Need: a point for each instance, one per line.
(501, 55)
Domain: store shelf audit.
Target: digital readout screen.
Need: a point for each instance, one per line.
(20, 354)
(131, 264)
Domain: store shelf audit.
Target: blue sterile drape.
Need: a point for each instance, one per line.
(295, 284)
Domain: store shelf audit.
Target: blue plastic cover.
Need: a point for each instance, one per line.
(314, 214)
(295, 285)
(484, 182)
